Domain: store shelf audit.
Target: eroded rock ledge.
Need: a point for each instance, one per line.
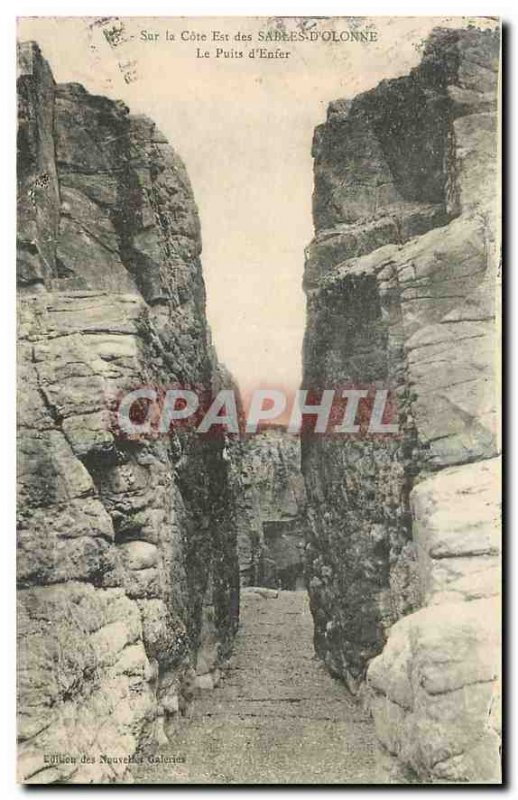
(127, 568)
(401, 281)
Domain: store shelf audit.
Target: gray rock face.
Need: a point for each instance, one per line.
(272, 506)
(127, 567)
(401, 283)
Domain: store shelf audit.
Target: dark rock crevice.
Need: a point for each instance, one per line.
(271, 511)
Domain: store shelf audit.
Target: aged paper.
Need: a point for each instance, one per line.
(258, 267)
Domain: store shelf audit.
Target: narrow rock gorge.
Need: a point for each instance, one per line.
(134, 552)
(127, 567)
(401, 280)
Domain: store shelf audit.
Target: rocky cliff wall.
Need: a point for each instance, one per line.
(127, 567)
(401, 282)
(272, 508)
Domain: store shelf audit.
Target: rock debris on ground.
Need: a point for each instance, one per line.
(277, 715)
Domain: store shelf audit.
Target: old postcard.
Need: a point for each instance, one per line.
(259, 480)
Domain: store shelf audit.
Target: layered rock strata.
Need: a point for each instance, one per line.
(402, 293)
(127, 568)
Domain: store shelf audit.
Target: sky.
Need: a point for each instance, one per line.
(243, 127)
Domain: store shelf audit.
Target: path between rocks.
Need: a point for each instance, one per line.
(277, 715)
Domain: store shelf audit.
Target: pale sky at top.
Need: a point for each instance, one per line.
(243, 128)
